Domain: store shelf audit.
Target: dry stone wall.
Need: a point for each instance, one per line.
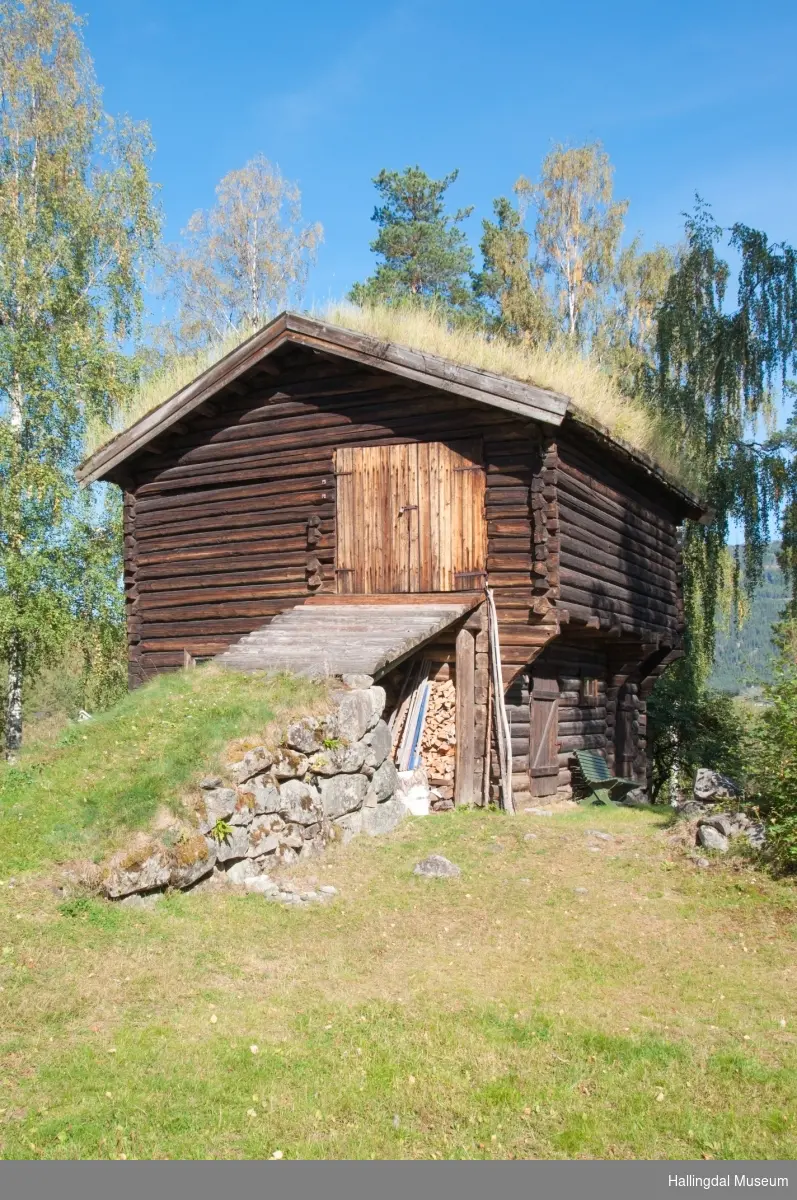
(329, 778)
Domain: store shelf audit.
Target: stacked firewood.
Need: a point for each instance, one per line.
(439, 742)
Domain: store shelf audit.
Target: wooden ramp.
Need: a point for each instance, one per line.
(340, 638)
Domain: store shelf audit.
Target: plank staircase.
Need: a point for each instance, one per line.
(337, 639)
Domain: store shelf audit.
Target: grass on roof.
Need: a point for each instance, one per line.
(594, 393)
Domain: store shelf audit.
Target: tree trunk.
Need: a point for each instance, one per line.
(13, 731)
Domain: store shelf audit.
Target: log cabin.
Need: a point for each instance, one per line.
(319, 495)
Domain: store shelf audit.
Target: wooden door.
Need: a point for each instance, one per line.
(544, 741)
(410, 518)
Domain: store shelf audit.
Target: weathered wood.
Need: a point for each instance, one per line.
(465, 746)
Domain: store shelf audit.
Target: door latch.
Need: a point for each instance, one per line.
(408, 508)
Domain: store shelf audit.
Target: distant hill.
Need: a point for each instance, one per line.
(743, 656)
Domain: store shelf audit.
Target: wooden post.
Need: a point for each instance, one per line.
(465, 670)
(188, 660)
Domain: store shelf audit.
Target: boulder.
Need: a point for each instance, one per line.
(261, 884)
(254, 762)
(343, 794)
(711, 839)
(690, 809)
(349, 826)
(235, 845)
(193, 859)
(358, 681)
(341, 760)
(756, 834)
(266, 798)
(244, 810)
(305, 735)
(299, 802)
(245, 868)
(385, 781)
(722, 822)
(436, 867)
(378, 744)
(264, 836)
(141, 869)
(355, 714)
(378, 700)
(711, 787)
(210, 782)
(289, 764)
(218, 804)
(384, 818)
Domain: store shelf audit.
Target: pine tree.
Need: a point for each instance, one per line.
(425, 254)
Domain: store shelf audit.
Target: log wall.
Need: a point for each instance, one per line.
(619, 552)
(232, 520)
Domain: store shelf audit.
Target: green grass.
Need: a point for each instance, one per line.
(500, 1014)
(110, 775)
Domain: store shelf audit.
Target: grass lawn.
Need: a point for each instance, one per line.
(501, 1014)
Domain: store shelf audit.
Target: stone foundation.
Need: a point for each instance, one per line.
(326, 778)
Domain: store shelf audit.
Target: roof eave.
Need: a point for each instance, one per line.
(533, 403)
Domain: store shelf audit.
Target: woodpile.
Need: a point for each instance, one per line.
(439, 741)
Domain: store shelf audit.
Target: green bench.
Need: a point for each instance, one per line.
(604, 788)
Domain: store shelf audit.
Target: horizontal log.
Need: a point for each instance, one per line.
(589, 741)
(580, 551)
(604, 589)
(256, 609)
(604, 604)
(573, 519)
(235, 556)
(232, 500)
(280, 509)
(621, 507)
(226, 578)
(568, 728)
(267, 527)
(640, 489)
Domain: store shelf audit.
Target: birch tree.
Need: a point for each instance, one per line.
(76, 222)
(578, 229)
(242, 261)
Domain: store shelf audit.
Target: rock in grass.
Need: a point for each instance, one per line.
(384, 818)
(343, 794)
(756, 834)
(300, 803)
(436, 867)
(219, 804)
(711, 839)
(385, 781)
(193, 859)
(142, 868)
(235, 845)
(604, 837)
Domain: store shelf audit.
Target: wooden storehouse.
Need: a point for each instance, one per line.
(319, 495)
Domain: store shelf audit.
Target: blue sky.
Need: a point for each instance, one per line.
(685, 97)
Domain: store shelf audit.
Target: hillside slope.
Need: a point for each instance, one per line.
(743, 655)
(112, 774)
